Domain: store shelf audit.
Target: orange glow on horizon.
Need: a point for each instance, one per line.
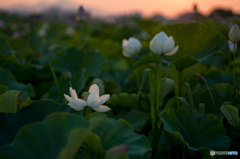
(168, 8)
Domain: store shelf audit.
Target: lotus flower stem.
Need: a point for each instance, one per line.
(17, 108)
(82, 152)
(168, 149)
(56, 82)
(181, 83)
(70, 83)
(158, 81)
(234, 77)
(183, 152)
(176, 82)
(138, 81)
(155, 102)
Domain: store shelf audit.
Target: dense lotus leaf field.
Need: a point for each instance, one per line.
(134, 88)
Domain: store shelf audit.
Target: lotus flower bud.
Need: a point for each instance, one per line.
(27, 28)
(82, 14)
(16, 34)
(161, 44)
(117, 152)
(131, 46)
(2, 24)
(231, 46)
(68, 75)
(234, 34)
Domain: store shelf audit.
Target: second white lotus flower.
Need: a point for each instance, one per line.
(161, 44)
(93, 100)
(234, 33)
(231, 46)
(131, 46)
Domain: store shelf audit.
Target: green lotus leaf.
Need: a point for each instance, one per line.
(217, 76)
(75, 60)
(63, 133)
(119, 79)
(5, 48)
(19, 44)
(36, 112)
(109, 48)
(137, 119)
(130, 101)
(231, 114)
(7, 79)
(217, 59)
(167, 85)
(148, 59)
(9, 58)
(221, 93)
(196, 43)
(3, 89)
(194, 39)
(108, 131)
(231, 131)
(210, 132)
(12, 101)
(185, 61)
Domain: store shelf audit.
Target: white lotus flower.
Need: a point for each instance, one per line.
(69, 31)
(42, 32)
(93, 100)
(161, 44)
(131, 47)
(234, 33)
(231, 46)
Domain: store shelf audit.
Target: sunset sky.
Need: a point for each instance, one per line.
(169, 8)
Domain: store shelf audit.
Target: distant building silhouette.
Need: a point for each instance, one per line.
(221, 13)
(191, 16)
(195, 8)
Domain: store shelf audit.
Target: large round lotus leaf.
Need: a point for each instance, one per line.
(3, 89)
(5, 47)
(221, 93)
(180, 62)
(75, 60)
(19, 44)
(119, 78)
(58, 136)
(7, 79)
(10, 58)
(193, 39)
(119, 132)
(130, 101)
(210, 133)
(148, 59)
(37, 111)
(136, 119)
(231, 114)
(107, 47)
(217, 76)
(12, 101)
